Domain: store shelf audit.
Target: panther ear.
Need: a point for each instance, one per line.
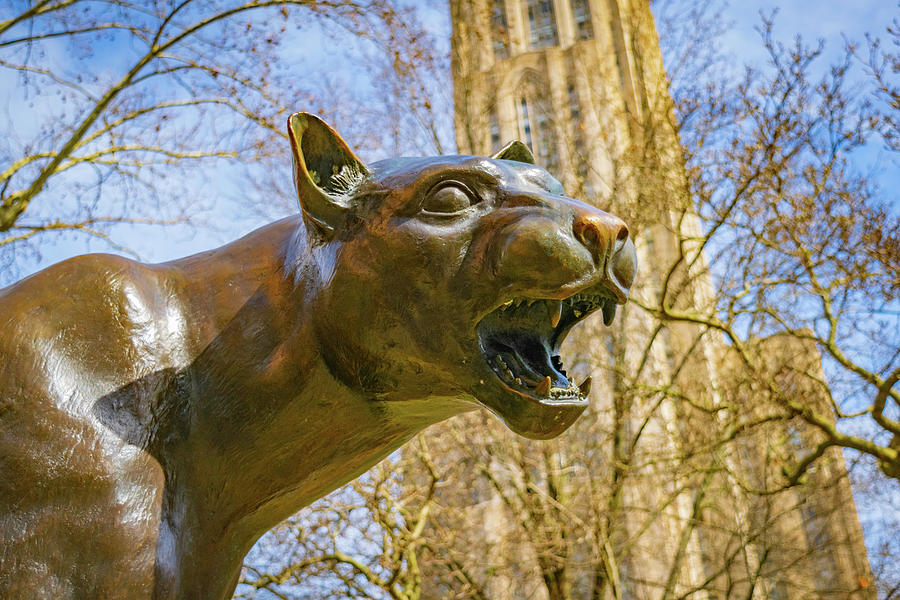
(515, 151)
(326, 172)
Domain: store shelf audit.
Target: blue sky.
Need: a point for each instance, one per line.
(833, 22)
(826, 19)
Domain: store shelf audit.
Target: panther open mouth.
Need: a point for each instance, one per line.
(520, 341)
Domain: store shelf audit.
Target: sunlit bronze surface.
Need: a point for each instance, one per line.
(155, 420)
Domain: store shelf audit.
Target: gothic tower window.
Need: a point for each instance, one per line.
(536, 119)
(526, 122)
(579, 148)
(546, 148)
(499, 29)
(494, 123)
(574, 105)
(542, 21)
(581, 15)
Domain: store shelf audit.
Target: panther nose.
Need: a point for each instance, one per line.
(600, 233)
(606, 235)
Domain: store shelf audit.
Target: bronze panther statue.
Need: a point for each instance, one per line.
(155, 420)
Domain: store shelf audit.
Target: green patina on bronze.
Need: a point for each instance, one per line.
(155, 420)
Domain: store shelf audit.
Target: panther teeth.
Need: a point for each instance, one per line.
(569, 392)
(609, 312)
(585, 388)
(555, 313)
(577, 306)
(544, 388)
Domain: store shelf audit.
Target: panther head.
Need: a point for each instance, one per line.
(455, 278)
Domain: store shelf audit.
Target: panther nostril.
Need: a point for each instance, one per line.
(596, 230)
(589, 236)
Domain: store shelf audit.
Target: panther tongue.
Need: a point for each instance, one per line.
(535, 357)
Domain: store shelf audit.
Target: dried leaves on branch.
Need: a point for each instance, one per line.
(803, 247)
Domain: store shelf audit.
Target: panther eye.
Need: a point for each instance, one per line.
(449, 198)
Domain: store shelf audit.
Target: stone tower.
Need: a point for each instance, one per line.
(654, 506)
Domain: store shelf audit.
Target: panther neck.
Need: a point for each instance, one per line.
(238, 451)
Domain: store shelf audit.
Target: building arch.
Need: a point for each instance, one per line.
(534, 111)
